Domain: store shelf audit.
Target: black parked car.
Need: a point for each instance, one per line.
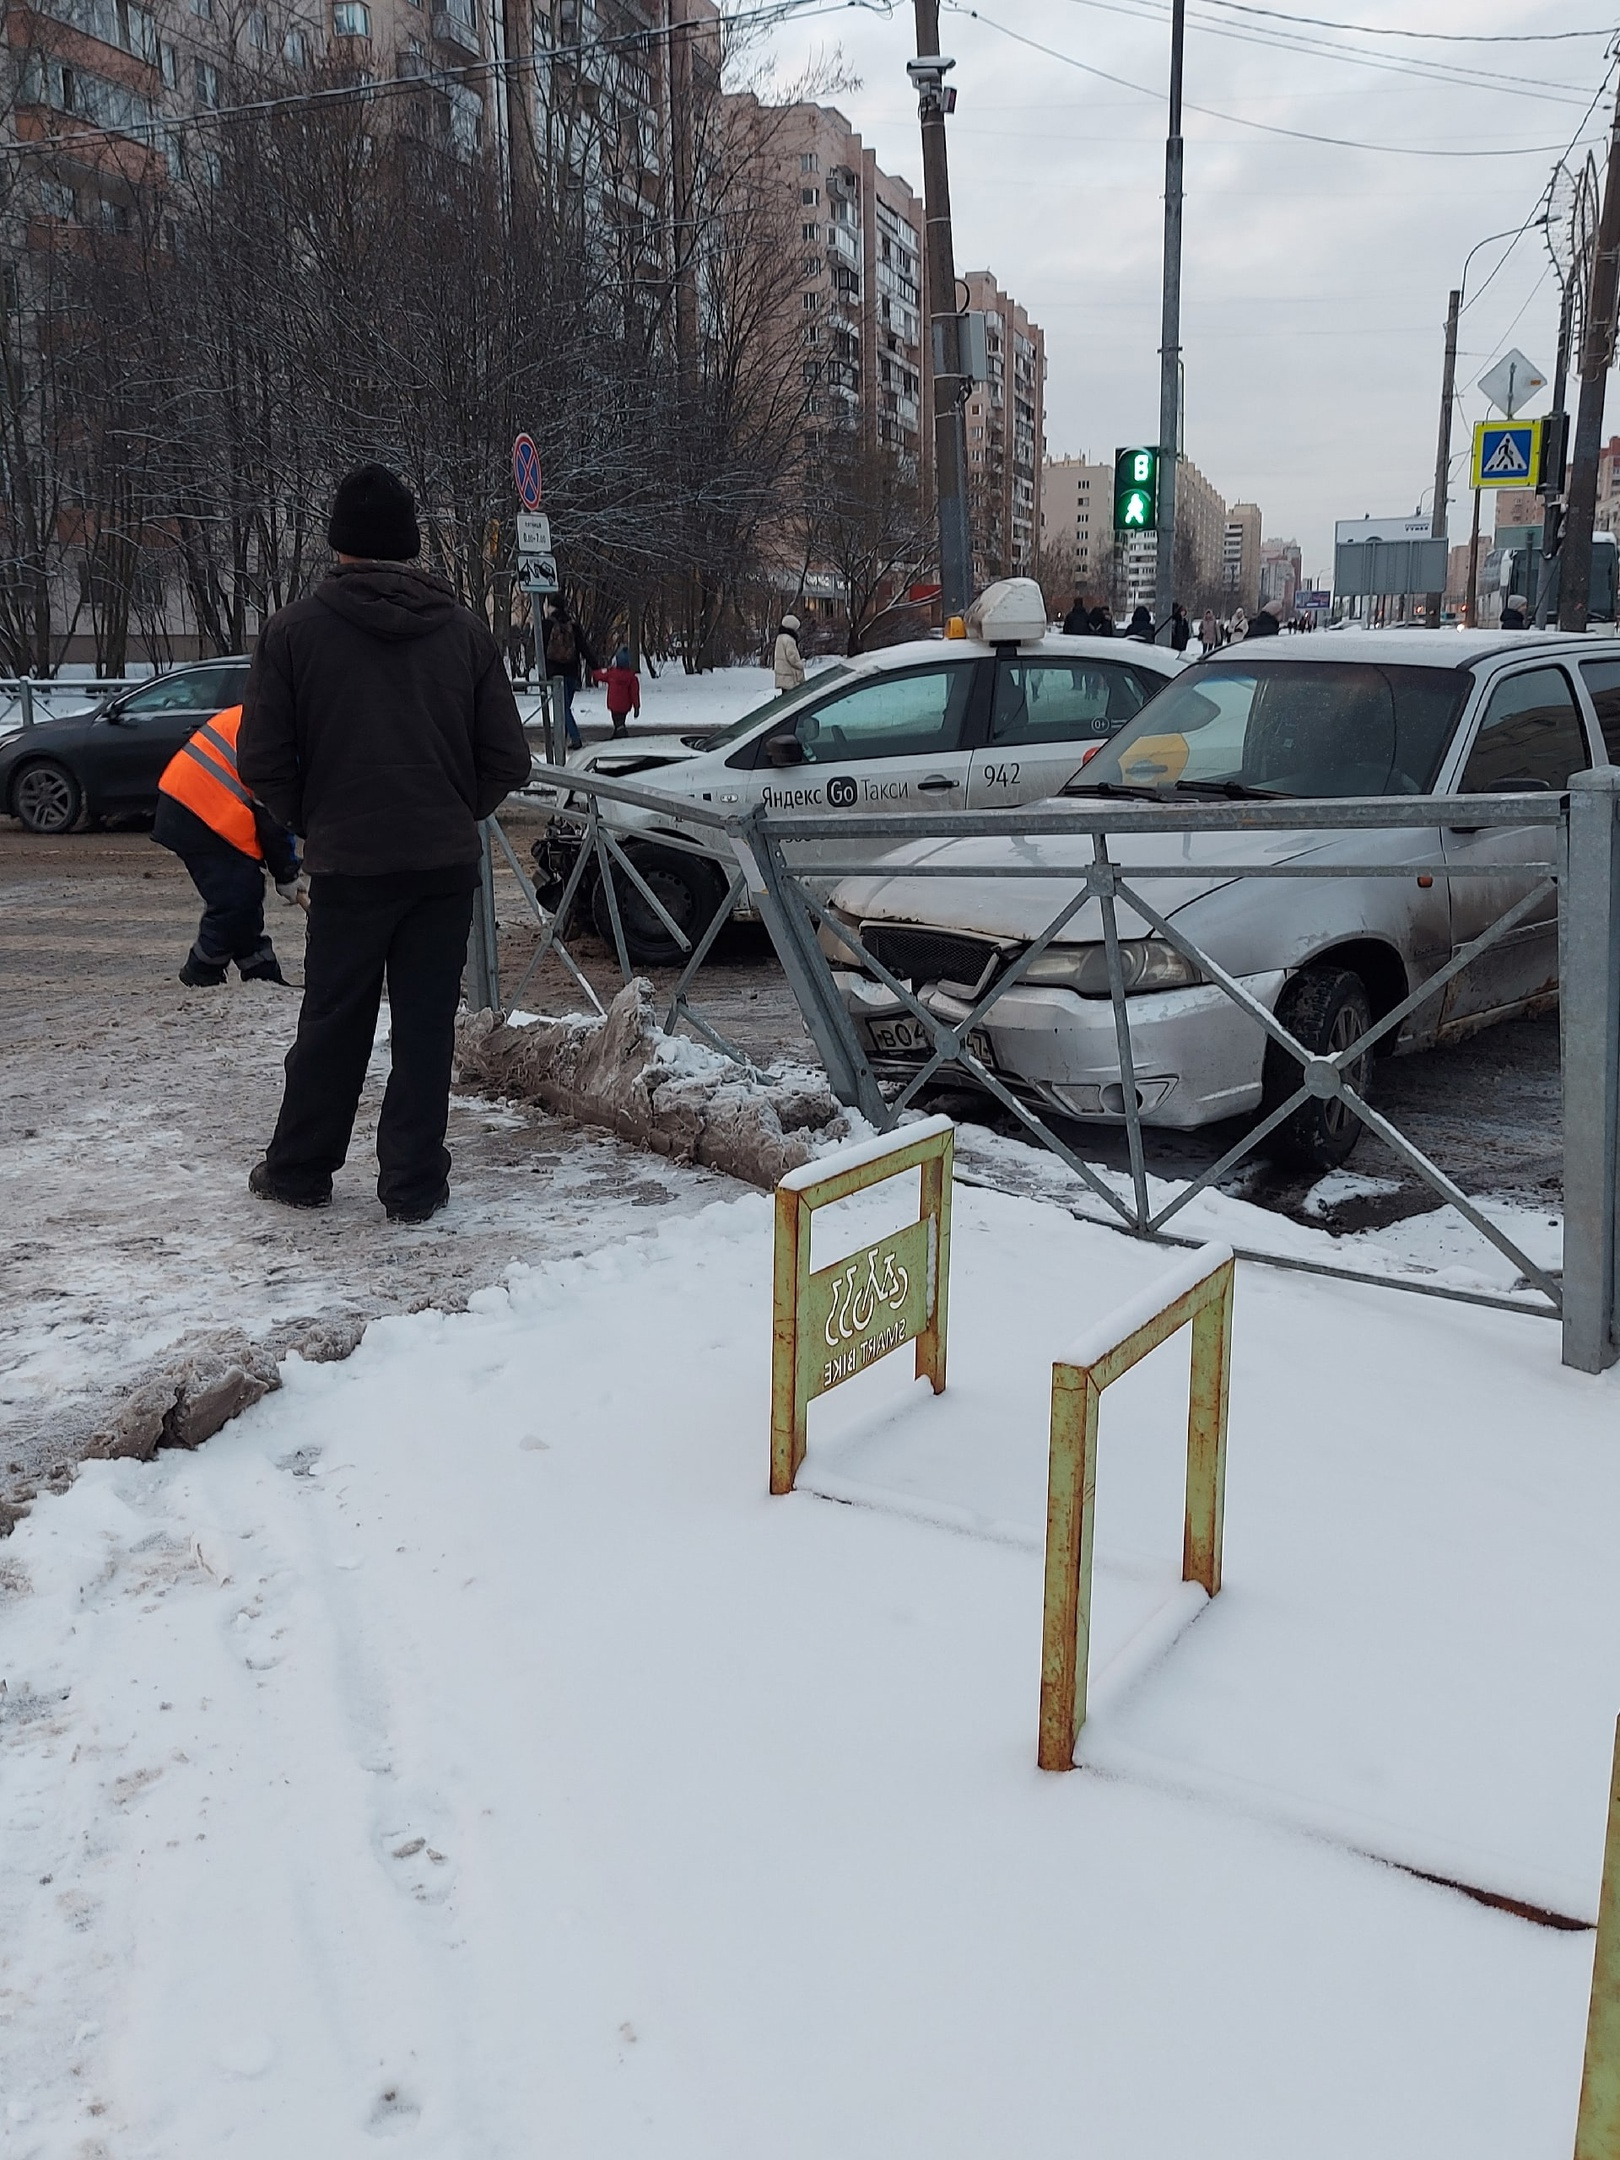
(108, 761)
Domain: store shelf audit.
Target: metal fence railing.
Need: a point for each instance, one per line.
(1577, 862)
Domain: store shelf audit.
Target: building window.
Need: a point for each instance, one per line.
(810, 197)
(809, 232)
(205, 82)
(57, 200)
(204, 8)
(296, 47)
(809, 162)
(351, 18)
(812, 266)
(259, 30)
(168, 65)
(811, 300)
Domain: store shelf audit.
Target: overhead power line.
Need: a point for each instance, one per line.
(1421, 70)
(1264, 127)
(1432, 37)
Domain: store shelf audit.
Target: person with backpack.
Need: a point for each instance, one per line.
(567, 653)
(623, 690)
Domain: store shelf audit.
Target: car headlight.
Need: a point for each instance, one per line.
(1145, 964)
(840, 954)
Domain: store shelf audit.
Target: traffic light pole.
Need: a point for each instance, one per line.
(1597, 354)
(1170, 333)
(945, 322)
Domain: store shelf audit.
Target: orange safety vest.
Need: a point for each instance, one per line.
(203, 776)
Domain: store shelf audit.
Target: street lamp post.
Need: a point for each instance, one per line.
(1448, 396)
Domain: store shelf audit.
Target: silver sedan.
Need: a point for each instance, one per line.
(1372, 715)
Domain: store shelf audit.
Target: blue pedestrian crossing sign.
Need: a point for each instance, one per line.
(1507, 453)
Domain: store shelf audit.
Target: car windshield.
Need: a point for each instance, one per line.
(822, 679)
(1294, 728)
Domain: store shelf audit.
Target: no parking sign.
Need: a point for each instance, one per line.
(526, 471)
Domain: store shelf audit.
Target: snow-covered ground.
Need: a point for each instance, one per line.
(464, 1749)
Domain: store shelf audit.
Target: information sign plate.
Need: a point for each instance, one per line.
(1507, 453)
(862, 1308)
(533, 533)
(540, 574)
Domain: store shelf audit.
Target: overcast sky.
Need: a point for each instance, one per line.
(1315, 276)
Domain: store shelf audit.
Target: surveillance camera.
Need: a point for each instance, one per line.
(928, 67)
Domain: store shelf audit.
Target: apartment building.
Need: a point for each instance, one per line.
(855, 299)
(1281, 573)
(1006, 433)
(1077, 519)
(1240, 558)
(1199, 546)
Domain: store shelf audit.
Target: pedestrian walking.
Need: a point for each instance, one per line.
(623, 690)
(1077, 623)
(379, 723)
(1141, 627)
(567, 653)
(1209, 635)
(1268, 622)
(227, 842)
(1238, 628)
(1102, 622)
(1180, 627)
(787, 659)
(1514, 612)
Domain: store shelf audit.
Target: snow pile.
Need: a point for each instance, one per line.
(463, 1748)
(672, 1095)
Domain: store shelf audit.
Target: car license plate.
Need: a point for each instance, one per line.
(910, 1039)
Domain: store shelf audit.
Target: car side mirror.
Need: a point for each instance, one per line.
(784, 750)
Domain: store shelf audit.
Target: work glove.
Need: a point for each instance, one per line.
(294, 890)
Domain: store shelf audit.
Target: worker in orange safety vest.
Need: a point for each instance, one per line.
(227, 841)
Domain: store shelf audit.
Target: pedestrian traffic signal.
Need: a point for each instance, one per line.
(1136, 490)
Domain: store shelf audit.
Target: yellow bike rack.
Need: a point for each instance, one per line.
(1198, 1292)
(833, 1324)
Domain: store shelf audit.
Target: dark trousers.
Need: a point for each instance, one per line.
(411, 930)
(564, 687)
(232, 889)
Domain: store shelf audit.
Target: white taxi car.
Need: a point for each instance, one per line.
(1004, 715)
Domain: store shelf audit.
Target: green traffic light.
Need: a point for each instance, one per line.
(1136, 490)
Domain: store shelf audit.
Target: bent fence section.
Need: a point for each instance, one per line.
(764, 853)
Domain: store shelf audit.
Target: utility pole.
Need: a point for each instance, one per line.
(927, 74)
(1554, 457)
(1164, 583)
(1442, 456)
(1597, 356)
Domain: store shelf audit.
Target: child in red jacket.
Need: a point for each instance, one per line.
(623, 689)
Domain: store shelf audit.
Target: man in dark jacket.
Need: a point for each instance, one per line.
(378, 722)
(1267, 623)
(1141, 627)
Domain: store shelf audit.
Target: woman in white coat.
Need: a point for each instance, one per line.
(788, 658)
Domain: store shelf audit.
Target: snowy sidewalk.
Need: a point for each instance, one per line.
(463, 1748)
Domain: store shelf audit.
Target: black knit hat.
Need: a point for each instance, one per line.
(374, 514)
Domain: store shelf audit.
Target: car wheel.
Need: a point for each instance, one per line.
(1326, 1009)
(688, 890)
(46, 797)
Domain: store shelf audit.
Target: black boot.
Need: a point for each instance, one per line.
(201, 974)
(261, 1182)
(267, 970)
